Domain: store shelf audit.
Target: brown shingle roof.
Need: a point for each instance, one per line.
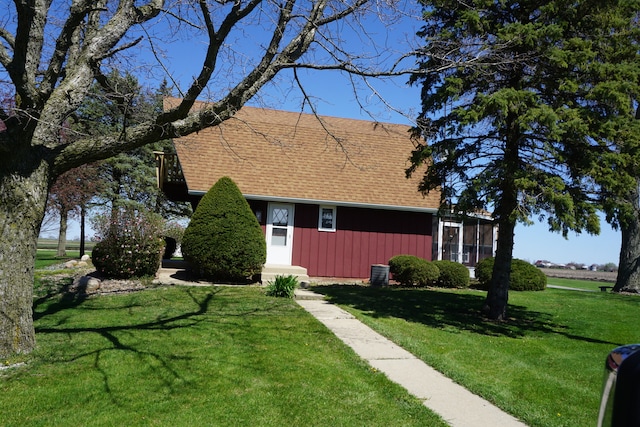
(285, 155)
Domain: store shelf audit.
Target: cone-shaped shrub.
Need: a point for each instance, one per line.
(224, 240)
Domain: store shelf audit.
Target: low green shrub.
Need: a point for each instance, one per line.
(282, 286)
(452, 274)
(129, 243)
(172, 233)
(484, 272)
(524, 276)
(410, 270)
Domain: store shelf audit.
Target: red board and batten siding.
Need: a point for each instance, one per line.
(363, 237)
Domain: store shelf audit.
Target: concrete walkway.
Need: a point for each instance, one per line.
(565, 288)
(455, 404)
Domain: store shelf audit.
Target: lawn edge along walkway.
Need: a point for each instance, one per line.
(455, 404)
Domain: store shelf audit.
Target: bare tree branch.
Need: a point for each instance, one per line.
(66, 39)
(93, 32)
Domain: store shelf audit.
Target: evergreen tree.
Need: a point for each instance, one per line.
(129, 178)
(522, 118)
(224, 240)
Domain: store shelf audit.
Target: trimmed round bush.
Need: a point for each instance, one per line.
(452, 274)
(224, 240)
(130, 244)
(524, 276)
(484, 271)
(410, 270)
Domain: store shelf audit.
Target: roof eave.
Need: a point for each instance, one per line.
(277, 199)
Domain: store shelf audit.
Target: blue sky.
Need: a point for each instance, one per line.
(536, 242)
(334, 95)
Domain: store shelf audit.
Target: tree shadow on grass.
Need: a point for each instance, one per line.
(155, 361)
(179, 321)
(66, 300)
(460, 311)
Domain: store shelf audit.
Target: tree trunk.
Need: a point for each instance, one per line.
(628, 279)
(62, 234)
(23, 195)
(495, 306)
(83, 214)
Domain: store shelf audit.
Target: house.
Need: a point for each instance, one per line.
(330, 193)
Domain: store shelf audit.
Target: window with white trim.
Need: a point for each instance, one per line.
(327, 218)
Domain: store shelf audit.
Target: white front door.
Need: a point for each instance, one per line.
(279, 233)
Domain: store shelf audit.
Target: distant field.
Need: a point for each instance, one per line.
(73, 245)
(598, 276)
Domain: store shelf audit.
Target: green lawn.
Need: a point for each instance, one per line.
(578, 284)
(231, 356)
(73, 245)
(48, 257)
(182, 356)
(545, 365)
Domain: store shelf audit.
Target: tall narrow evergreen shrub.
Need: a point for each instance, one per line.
(224, 240)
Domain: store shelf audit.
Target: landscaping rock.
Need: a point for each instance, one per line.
(85, 258)
(93, 284)
(86, 285)
(75, 264)
(70, 264)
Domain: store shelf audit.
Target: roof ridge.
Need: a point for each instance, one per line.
(304, 114)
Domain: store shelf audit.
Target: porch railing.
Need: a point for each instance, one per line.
(168, 170)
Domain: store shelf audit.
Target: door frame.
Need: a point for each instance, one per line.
(275, 254)
(442, 242)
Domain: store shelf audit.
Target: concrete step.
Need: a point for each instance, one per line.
(270, 271)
